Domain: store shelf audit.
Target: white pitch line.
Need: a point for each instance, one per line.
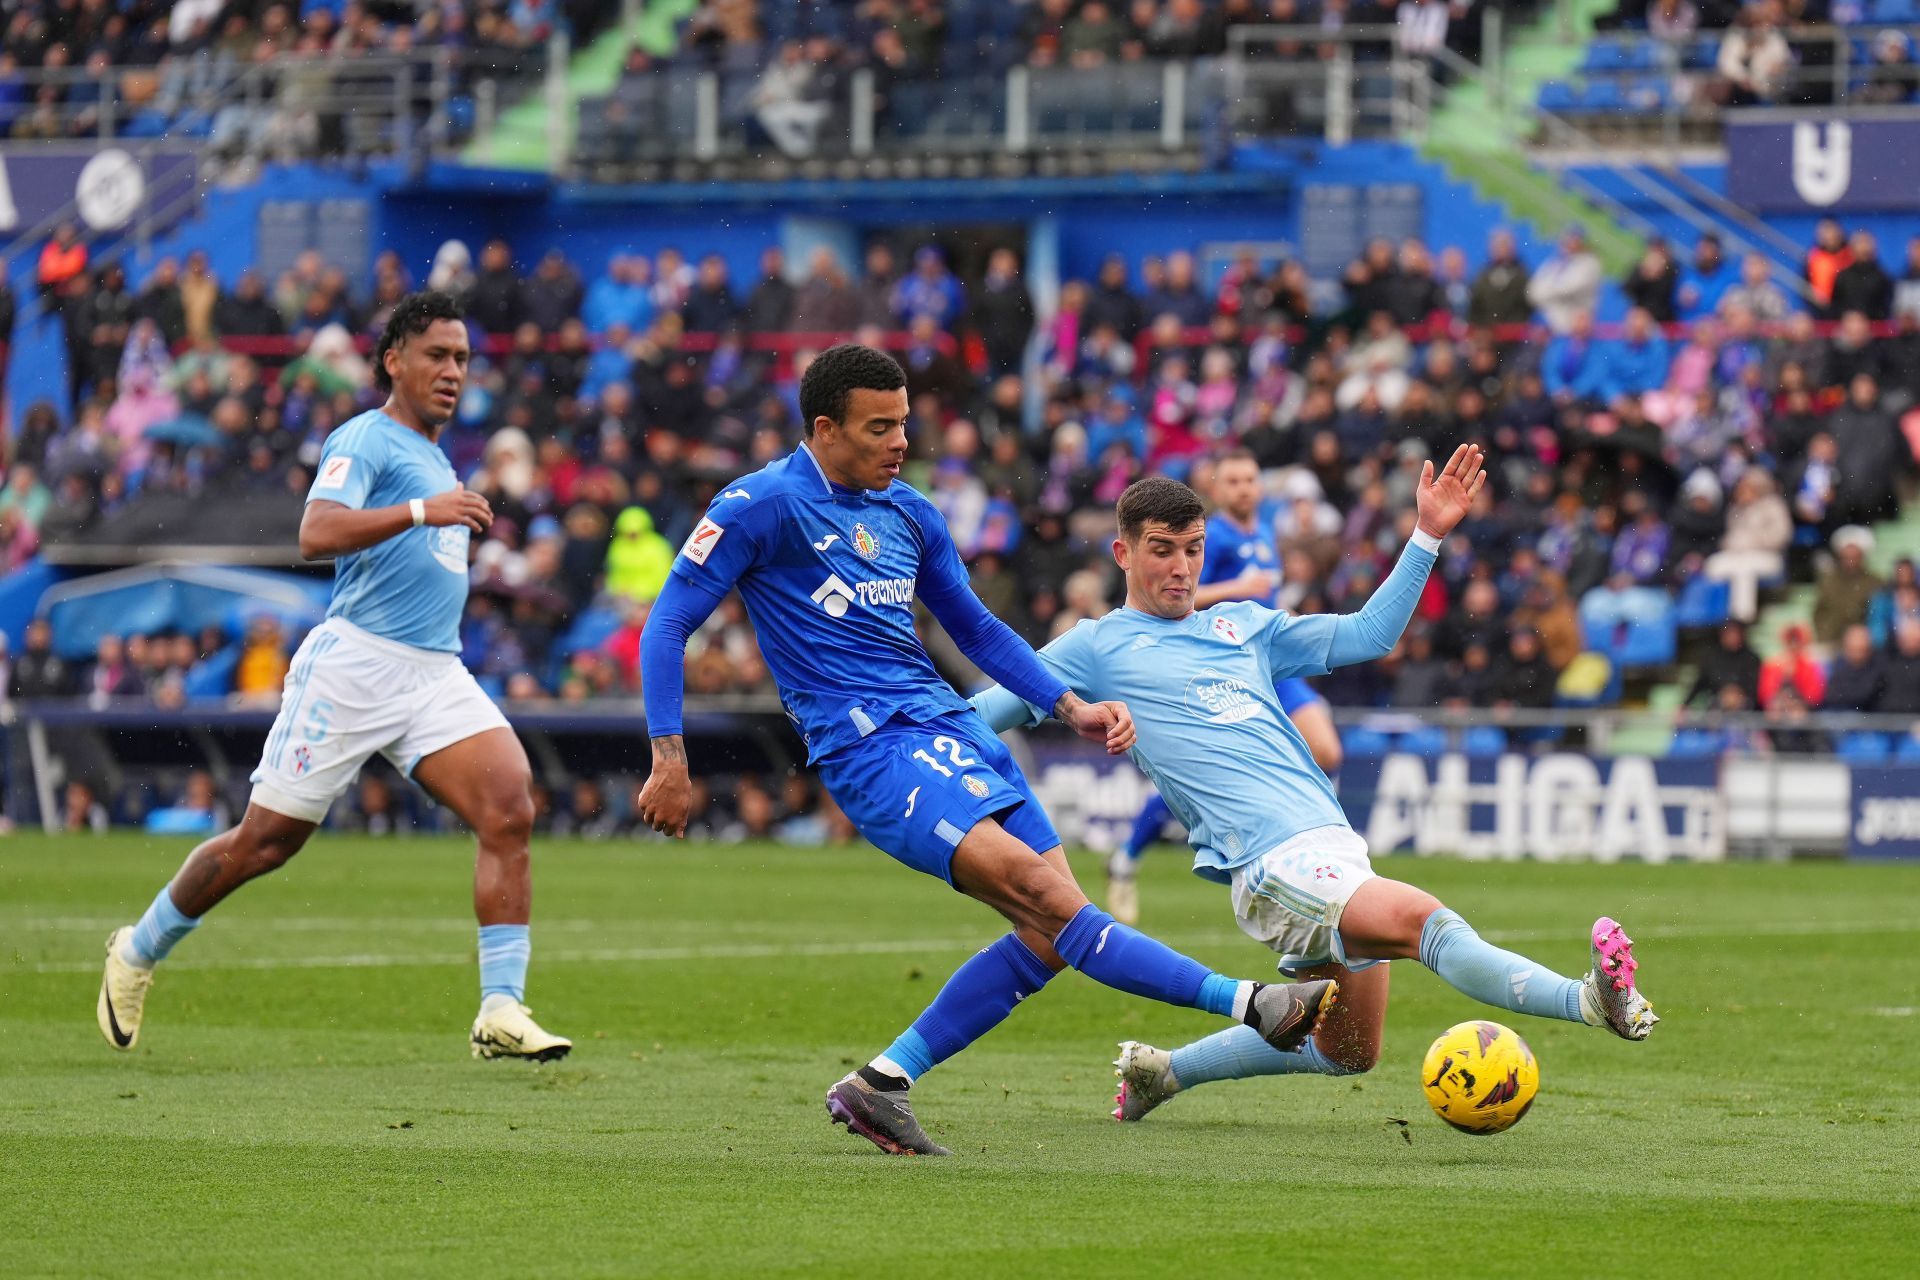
(896, 946)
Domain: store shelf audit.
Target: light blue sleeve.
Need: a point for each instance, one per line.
(1069, 658)
(350, 462)
(1376, 628)
(1298, 644)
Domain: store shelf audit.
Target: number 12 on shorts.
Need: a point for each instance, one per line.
(950, 747)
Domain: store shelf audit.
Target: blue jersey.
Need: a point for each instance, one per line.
(829, 577)
(412, 587)
(1232, 551)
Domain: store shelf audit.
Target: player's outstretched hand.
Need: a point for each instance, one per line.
(1109, 723)
(666, 800)
(460, 505)
(1444, 500)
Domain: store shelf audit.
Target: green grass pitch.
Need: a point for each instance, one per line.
(302, 1102)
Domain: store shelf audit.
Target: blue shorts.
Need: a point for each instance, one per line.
(915, 789)
(1295, 693)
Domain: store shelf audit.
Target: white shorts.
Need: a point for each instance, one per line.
(351, 693)
(1290, 898)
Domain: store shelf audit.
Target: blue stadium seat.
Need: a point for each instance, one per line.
(1426, 742)
(1694, 744)
(1703, 603)
(1361, 743)
(1908, 752)
(1863, 746)
(1603, 95)
(1647, 642)
(1703, 52)
(1557, 95)
(1483, 742)
(1896, 10)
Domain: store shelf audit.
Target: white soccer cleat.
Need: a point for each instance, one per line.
(506, 1029)
(1608, 996)
(1123, 889)
(1146, 1080)
(123, 994)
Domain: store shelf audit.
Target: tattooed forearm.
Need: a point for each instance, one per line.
(1063, 708)
(671, 749)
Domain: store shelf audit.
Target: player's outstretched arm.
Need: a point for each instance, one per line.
(667, 797)
(1443, 501)
(329, 529)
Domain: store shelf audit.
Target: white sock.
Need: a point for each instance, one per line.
(1242, 998)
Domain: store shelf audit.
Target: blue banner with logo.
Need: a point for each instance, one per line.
(102, 188)
(1886, 812)
(1824, 164)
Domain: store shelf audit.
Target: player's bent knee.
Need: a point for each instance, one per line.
(508, 820)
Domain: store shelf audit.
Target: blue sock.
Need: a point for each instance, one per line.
(1147, 827)
(159, 929)
(1127, 960)
(504, 952)
(974, 1000)
(1240, 1052)
(1477, 968)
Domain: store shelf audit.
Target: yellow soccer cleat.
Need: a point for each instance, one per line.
(506, 1029)
(123, 994)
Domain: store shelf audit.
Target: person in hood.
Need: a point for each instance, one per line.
(638, 559)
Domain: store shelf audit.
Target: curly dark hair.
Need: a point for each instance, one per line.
(412, 316)
(1157, 499)
(840, 370)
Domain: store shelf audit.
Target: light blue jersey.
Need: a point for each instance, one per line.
(413, 587)
(1213, 736)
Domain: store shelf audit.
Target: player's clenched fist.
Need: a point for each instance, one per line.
(1107, 722)
(667, 798)
(460, 505)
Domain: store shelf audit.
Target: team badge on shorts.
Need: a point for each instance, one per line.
(864, 542)
(302, 760)
(975, 785)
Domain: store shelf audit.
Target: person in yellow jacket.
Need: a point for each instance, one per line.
(638, 558)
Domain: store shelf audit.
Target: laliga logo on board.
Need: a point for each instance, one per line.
(1221, 699)
(1822, 173)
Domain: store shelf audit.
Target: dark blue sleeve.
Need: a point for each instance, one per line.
(677, 613)
(989, 642)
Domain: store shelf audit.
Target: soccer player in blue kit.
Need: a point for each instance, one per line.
(382, 673)
(829, 550)
(1262, 817)
(1243, 563)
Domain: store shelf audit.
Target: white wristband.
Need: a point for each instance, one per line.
(419, 509)
(1425, 541)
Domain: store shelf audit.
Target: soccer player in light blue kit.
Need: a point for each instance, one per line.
(381, 674)
(829, 550)
(1264, 820)
(1243, 563)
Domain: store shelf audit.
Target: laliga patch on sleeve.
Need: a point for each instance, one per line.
(701, 541)
(333, 473)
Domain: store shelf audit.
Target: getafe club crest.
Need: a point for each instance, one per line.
(864, 542)
(1226, 630)
(977, 786)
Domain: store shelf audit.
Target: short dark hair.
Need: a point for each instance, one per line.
(1157, 499)
(412, 316)
(837, 372)
(1239, 453)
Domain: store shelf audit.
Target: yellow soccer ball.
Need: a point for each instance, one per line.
(1480, 1077)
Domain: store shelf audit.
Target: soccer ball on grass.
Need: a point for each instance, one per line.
(1480, 1077)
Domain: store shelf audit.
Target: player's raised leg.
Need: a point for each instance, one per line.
(486, 780)
(1389, 920)
(262, 842)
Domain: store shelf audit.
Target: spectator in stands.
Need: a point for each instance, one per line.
(1870, 445)
(199, 293)
(1640, 550)
(63, 261)
(1420, 27)
(1756, 293)
(1500, 295)
(769, 307)
(1863, 285)
(1731, 661)
(875, 292)
(710, 306)
(1002, 313)
(1900, 601)
(81, 811)
(1522, 676)
(1178, 294)
(1653, 282)
(262, 669)
(1755, 62)
(1567, 283)
(1092, 37)
(1902, 691)
(1906, 294)
(1794, 668)
(1574, 368)
(1672, 21)
(111, 675)
(1857, 679)
(1636, 363)
(1759, 530)
(1892, 78)
(621, 297)
(1411, 294)
(247, 312)
(1789, 727)
(1847, 587)
(1706, 281)
(638, 557)
(929, 290)
(496, 301)
(38, 671)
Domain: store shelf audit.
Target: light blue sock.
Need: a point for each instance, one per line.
(159, 929)
(1477, 968)
(504, 951)
(1240, 1052)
